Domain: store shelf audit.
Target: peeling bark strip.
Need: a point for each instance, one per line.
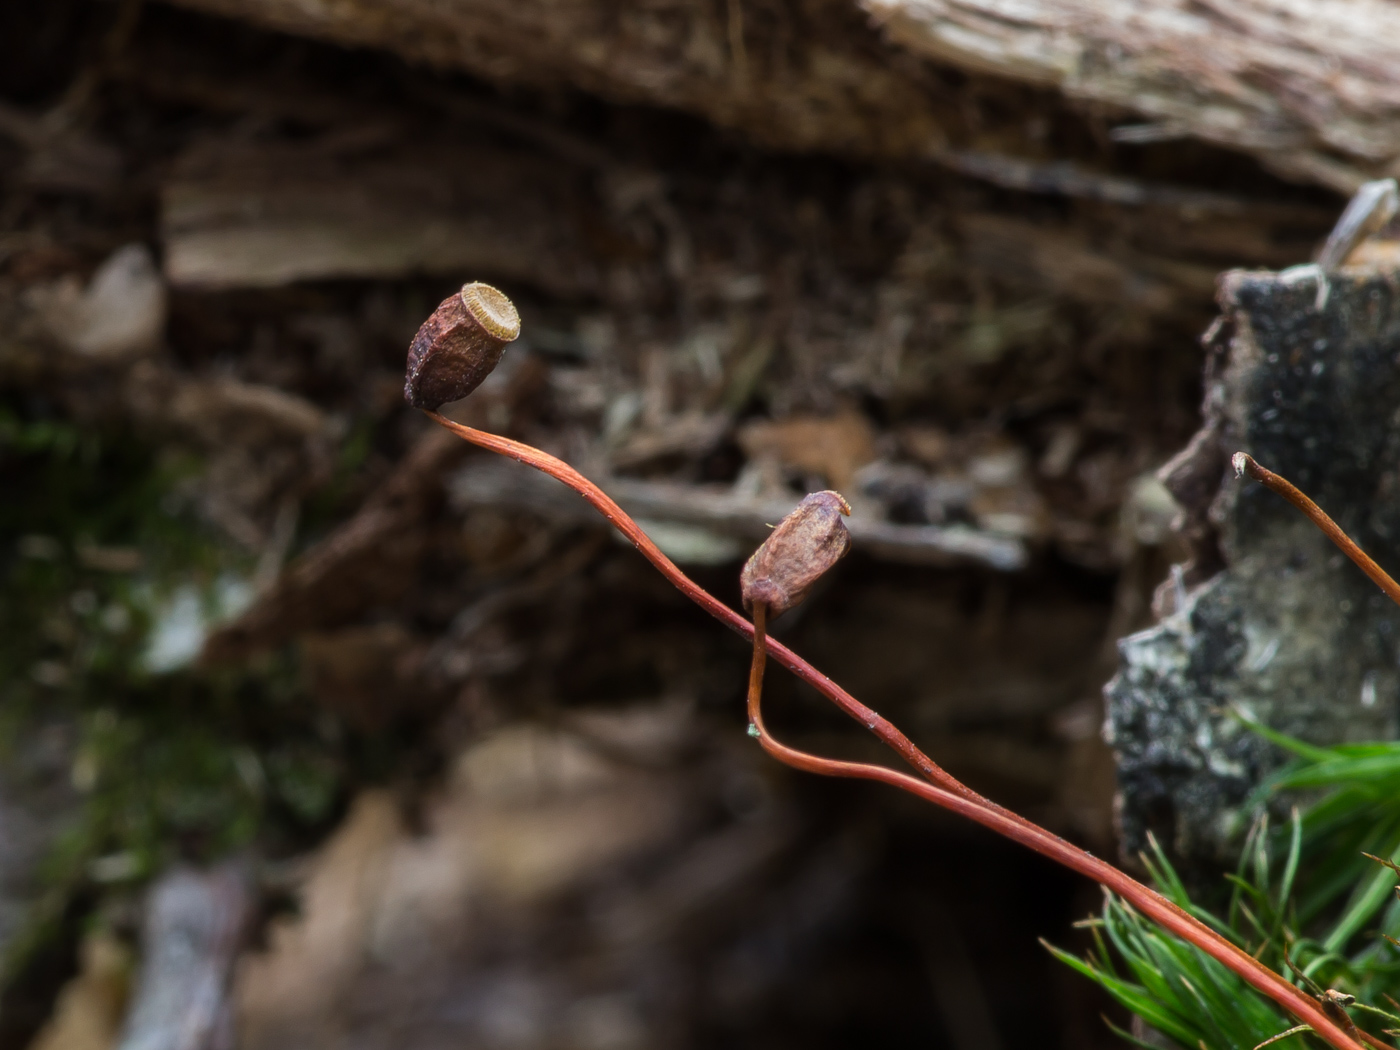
(1288, 629)
(195, 925)
(1312, 89)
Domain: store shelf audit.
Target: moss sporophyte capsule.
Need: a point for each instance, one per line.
(802, 549)
(459, 346)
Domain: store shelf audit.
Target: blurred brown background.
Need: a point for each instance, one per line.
(411, 751)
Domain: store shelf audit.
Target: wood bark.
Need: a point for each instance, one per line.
(1287, 631)
(1311, 89)
(809, 74)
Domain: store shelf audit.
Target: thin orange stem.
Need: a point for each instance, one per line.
(1146, 900)
(945, 790)
(557, 468)
(1245, 465)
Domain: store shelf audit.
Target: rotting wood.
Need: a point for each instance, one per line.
(806, 75)
(265, 216)
(1267, 616)
(809, 75)
(37, 804)
(1311, 89)
(277, 219)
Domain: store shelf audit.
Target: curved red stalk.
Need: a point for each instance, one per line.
(557, 468)
(1146, 900)
(1245, 465)
(944, 790)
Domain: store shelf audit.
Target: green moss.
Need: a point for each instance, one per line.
(191, 763)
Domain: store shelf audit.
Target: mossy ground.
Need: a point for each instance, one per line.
(188, 763)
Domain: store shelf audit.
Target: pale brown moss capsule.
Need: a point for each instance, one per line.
(459, 345)
(804, 546)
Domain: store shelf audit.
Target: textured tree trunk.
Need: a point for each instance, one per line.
(1303, 378)
(809, 74)
(1311, 89)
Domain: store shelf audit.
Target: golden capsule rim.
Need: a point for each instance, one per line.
(492, 309)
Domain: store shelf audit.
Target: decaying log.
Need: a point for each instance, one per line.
(196, 923)
(814, 75)
(271, 214)
(239, 217)
(1303, 377)
(798, 75)
(531, 819)
(1311, 89)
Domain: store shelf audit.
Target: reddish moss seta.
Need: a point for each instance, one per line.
(826, 545)
(459, 345)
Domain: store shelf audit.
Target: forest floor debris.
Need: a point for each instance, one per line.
(992, 367)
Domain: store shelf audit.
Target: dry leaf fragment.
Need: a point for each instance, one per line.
(833, 446)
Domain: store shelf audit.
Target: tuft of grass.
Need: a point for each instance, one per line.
(1356, 812)
(1315, 899)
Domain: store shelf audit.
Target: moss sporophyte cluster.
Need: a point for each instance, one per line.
(104, 568)
(1237, 982)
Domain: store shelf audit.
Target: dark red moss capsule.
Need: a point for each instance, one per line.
(459, 346)
(804, 546)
